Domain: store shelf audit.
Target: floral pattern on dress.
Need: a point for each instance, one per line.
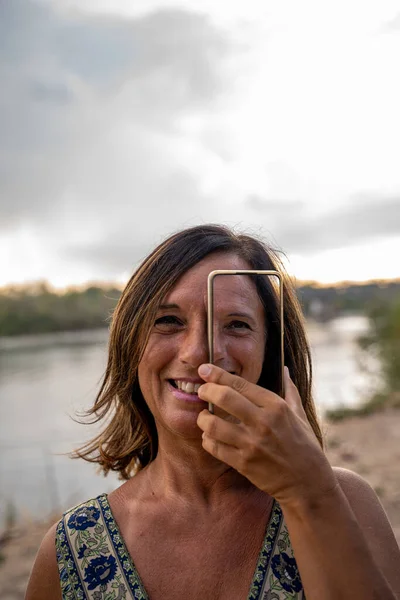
(92, 559)
(276, 576)
(83, 517)
(285, 569)
(94, 563)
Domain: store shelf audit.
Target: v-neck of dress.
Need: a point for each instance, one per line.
(132, 576)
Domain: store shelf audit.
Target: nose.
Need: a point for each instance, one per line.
(195, 351)
(194, 348)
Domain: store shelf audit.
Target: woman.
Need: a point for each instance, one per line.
(227, 506)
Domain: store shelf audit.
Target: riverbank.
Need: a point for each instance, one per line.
(368, 445)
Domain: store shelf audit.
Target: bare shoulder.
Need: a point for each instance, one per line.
(361, 496)
(44, 581)
(373, 521)
(364, 503)
(351, 481)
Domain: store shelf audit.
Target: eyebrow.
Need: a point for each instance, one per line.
(167, 306)
(240, 314)
(243, 315)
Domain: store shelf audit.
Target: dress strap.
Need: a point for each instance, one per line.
(276, 576)
(88, 561)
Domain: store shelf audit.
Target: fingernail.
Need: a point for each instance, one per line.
(287, 373)
(204, 370)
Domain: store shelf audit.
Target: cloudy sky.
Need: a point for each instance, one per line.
(122, 122)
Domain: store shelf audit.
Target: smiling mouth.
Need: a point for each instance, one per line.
(185, 386)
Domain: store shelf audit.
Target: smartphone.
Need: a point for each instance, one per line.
(210, 314)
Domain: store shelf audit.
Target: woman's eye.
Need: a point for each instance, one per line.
(168, 321)
(238, 325)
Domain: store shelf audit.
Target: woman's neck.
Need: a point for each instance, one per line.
(185, 472)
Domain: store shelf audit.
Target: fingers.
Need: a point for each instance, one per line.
(292, 396)
(222, 439)
(219, 429)
(223, 452)
(229, 401)
(213, 374)
(242, 399)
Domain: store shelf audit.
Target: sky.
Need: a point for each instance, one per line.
(122, 122)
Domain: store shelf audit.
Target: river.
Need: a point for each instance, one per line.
(45, 380)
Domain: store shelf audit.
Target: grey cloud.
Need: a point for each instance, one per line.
(365, 217)
(134, 228)
(103, 51)
(51, 92)
(288, 225)
(69, 80)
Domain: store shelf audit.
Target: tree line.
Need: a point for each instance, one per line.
(37, 308)
(327, 302)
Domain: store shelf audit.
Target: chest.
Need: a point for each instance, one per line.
(149, 559)
(210, 560)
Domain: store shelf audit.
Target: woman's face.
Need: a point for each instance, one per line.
(177, 345)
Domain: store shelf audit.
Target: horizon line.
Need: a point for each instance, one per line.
(107, 284)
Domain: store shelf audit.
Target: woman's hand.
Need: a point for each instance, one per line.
(272, 443)
(274, 446)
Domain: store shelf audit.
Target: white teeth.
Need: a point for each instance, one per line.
(188, 386)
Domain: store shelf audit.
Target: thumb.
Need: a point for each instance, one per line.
(286, 380)
(292, 396)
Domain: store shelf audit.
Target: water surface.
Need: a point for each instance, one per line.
(45, 380)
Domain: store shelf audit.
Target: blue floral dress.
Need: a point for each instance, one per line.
(94, 563)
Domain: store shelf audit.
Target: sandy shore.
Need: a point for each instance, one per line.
(370, 446)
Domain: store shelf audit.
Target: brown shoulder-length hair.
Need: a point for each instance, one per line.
(129, 439)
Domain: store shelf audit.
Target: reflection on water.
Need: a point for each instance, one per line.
(45, 380)
(338, 378)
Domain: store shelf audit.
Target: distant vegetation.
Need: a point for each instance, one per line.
(327, 302)
(39, 309)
